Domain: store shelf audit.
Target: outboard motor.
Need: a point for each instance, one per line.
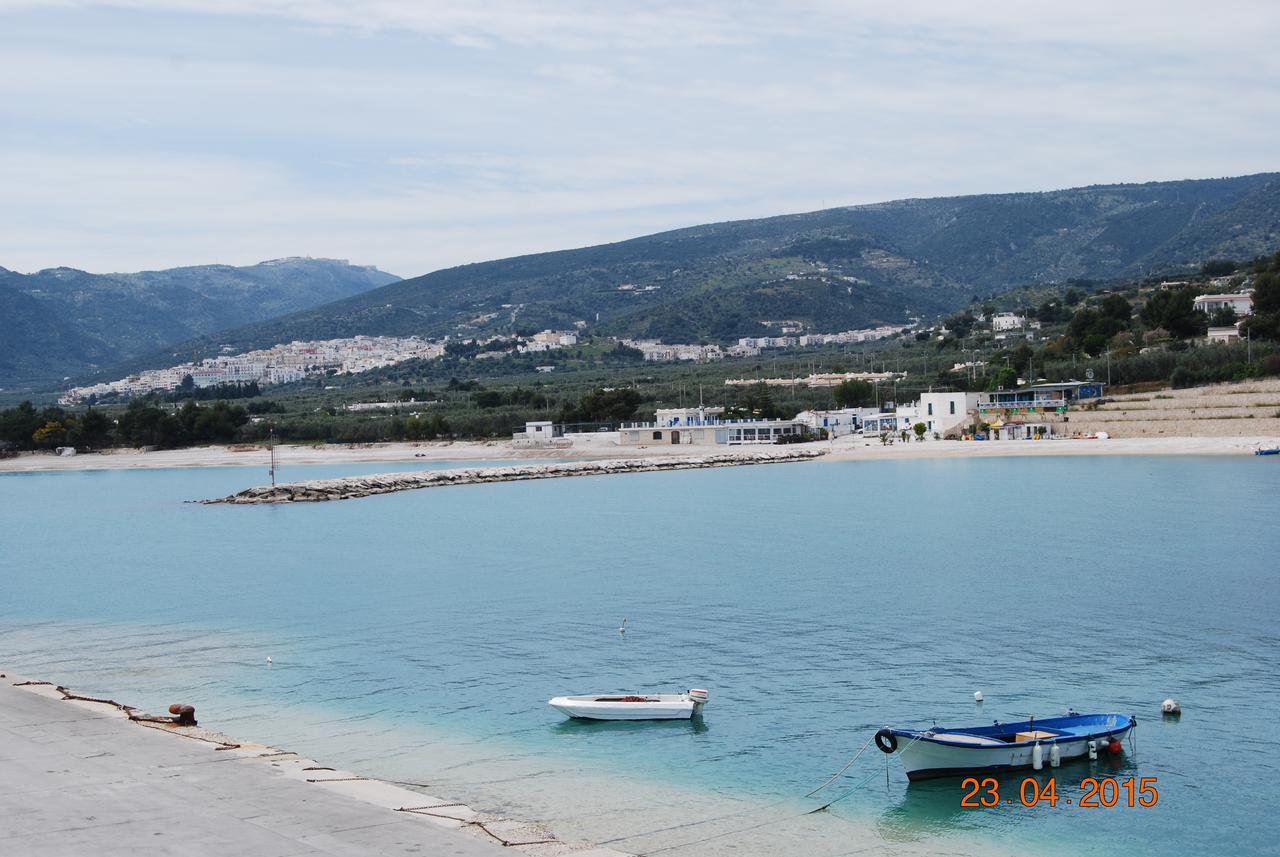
(698, 696)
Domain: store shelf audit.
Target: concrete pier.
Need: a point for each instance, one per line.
(351, 487)
(80, 778)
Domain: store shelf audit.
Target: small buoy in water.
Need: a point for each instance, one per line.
(977, 696)
(1171, 706)
(1055, 755)
(1037, 756)
(268, 658)
(1115, 748)
(623, 628)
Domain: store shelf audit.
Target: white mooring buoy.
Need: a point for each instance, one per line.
(1055, 755)
(977, 696)
(268, 658)
(1037, 756)
(1171, 706)
(1093, 749)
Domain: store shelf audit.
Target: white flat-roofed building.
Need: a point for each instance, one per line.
(728, 432)
(942, 412)
(876, 424)
(1003, 321)
(688, 416)
(1241, 303)
(836, 423)
(1228, 333)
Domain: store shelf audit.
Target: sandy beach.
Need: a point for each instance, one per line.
(604, 446)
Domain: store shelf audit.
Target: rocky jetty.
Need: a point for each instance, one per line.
(351, 487)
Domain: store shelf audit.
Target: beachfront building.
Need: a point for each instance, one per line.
(1027, 412)
(1242, 304)
(836, 423)
(706, 429)
(1034, 430)
(1039, 398)
(540, 433)
(873, 425)
(945, 413)
(699, 416)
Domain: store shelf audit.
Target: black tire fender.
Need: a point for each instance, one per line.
(886, 741)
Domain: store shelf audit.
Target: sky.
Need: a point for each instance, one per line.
(419, 135)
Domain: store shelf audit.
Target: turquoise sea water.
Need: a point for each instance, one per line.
(417, 635)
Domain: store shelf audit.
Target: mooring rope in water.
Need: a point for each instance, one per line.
(847, 766)
(753, 809)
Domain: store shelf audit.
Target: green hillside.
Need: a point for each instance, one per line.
(883, 262)
(62, 321)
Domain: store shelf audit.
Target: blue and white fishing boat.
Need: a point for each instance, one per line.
(1032, 743)
(1273, 450)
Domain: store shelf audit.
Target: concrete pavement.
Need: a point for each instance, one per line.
(79, 778)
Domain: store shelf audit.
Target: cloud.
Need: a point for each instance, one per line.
(416, 135)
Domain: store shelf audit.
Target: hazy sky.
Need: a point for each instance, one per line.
(417, 135)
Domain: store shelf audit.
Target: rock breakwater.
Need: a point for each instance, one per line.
(351, 487)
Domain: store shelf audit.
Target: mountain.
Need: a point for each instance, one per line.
(62, 321)
(829, 270)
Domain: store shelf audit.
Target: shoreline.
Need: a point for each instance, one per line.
(603, 448)
(218, 794)
(288, 800)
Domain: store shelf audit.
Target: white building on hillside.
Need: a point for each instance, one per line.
(1007, 321)
(1242, 304)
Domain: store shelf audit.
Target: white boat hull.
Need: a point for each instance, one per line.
(665, 706)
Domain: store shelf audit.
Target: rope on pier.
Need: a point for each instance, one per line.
(29, 683)
(338, 780)
(506, 843)
(147, 722)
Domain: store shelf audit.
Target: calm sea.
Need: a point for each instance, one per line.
(417, 636)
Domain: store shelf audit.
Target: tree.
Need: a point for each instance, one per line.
(853, 394)
(1117, 307)
(1264, 323)
(919, 429)
(1222, 317)
(91, 431)
(51, 434)
(603, 406)
(1218, 267)
(1004, 378)
(1175, 311)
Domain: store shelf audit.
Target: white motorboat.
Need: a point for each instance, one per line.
(649, 706)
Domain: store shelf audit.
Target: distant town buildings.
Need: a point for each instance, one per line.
(547, 340)
(280, 364)
(819, 379)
